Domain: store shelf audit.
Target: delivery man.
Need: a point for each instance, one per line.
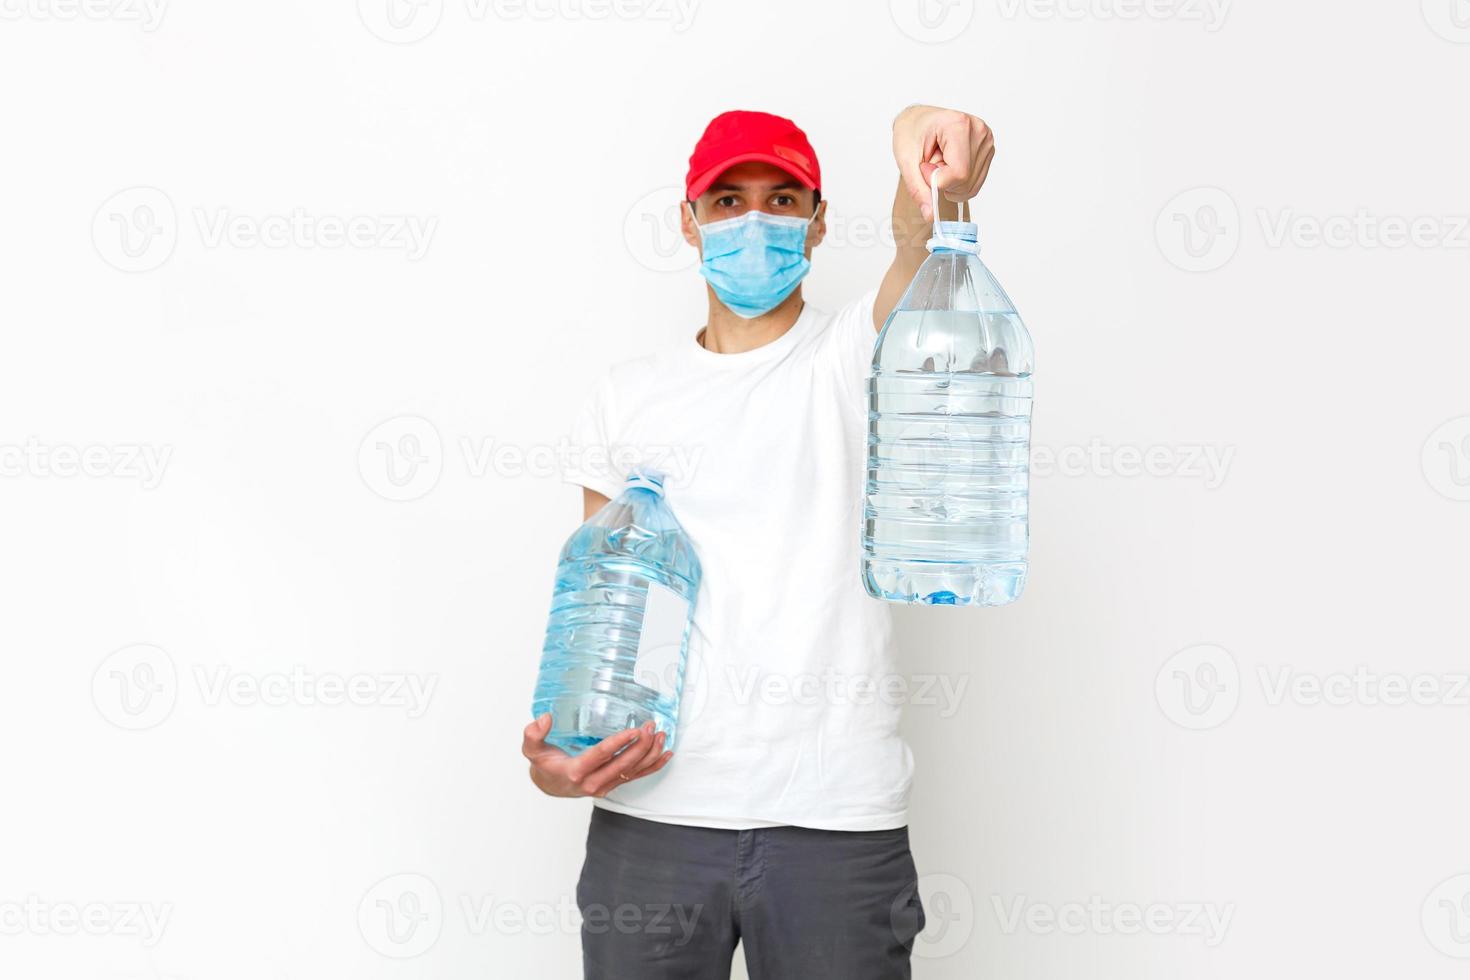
(782, 824)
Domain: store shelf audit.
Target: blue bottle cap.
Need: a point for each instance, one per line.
(646, 480)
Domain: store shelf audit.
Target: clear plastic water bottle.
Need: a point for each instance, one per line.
(618, 636)
(949, 435)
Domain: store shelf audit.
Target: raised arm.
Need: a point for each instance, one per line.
(592, 502)
(925, 139)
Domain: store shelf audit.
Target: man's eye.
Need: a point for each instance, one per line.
(784, 201)
(726, 202)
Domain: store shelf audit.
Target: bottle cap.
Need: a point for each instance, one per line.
(646, 480)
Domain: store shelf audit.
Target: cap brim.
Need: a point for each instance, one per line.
(701, 184)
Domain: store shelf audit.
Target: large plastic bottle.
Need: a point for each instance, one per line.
(949, 434)
(618, 636)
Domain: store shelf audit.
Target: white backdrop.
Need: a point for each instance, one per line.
(299, 297)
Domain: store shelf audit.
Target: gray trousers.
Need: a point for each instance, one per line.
(663, 901)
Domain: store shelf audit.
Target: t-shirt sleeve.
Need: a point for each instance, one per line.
(852, 337)
(588, 461)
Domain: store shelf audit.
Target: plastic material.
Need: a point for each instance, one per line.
(949, 434)
(618, 636)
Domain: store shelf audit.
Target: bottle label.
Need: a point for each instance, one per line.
(662, 640)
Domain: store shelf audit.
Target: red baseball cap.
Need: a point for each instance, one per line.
(738, 136)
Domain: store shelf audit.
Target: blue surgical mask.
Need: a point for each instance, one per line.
(754, 261)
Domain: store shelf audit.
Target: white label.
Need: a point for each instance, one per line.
(664, 616)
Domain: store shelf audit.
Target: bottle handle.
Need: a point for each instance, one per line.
(934, 198)
(939, 239)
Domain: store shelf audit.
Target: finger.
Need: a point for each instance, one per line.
(626, 764)
(984, 171)
(586, 764)
(954, 141)
(916, 157)
(533, 740)
(916, 181)
(981, 168)
(655, 751)
(657, 764)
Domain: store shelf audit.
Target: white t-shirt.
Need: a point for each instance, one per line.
(788, 714)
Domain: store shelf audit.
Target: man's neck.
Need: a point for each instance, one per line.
(726, 333)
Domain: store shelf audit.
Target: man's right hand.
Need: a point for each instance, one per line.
(599, 770)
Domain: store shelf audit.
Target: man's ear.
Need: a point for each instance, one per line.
(817, 230)
(687, 224)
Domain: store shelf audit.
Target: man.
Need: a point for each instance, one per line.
(783, 824)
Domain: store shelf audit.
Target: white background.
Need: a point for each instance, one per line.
(1122, 740)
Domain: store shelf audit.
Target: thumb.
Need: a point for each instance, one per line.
(534, 737)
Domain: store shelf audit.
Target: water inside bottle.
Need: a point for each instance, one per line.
(617, 636)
